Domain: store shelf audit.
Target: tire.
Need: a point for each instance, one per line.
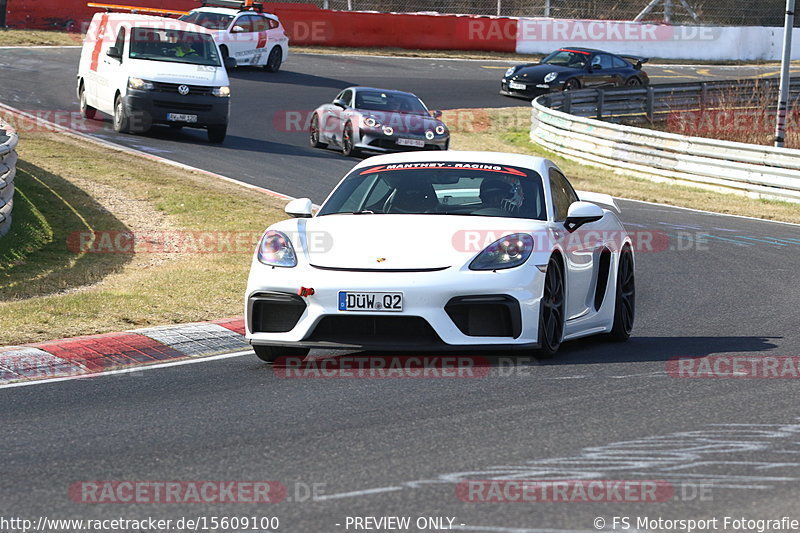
(216, 134)
(87, 111)
(347, 141)
(269, 354)
(625, 300)
(572, 85)
(274, 60)
(121, 119)
(225, 54)
(551, 310)
(633, 82)
(313, 133)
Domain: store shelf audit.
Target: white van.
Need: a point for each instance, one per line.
(144, 70)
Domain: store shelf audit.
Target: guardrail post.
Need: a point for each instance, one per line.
(651, 103)
(703, 96)
(601, 100)
(567, 102)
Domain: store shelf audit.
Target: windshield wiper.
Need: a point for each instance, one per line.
(363, 212)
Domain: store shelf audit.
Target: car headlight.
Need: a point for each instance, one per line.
(275, 249)
(510, 71)
(440, 130)
(371, 122)
(222, 92)
(140, 85)
(429, 135)
(550, 77)
(388, 130)
(508, 252)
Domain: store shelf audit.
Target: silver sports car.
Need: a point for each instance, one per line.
(379, 120)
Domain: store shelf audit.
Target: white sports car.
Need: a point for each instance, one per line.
(442, 250)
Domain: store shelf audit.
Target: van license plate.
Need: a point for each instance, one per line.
(177, 117)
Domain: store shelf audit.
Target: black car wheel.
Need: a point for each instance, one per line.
(633, 82)
(625, 302)
(87, 111)
(121, 120)
(274, 60)
(571, 85)
(313, 133)
(216, 134)
(347, 141)
(551, 310)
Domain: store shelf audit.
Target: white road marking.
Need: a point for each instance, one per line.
(129, 370)
(358, 493)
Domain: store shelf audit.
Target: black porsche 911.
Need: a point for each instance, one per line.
(568, 69)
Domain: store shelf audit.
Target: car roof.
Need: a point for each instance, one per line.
(150, 21)
(587, 50)
(393, 91)
(535, 163)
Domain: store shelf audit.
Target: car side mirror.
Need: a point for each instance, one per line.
(237, 29)
(436, 114)
(115, 52)
(230, 63)
(299, 208)
(580, 213)
(340, 103)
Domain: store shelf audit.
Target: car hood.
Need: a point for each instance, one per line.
(537, 71)
(400, 242)
(175, 72)
(403, 122)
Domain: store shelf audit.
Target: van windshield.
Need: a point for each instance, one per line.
(175, 46)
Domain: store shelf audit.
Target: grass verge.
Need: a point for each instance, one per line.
(39, 38)
(508, 130)
(190, 262)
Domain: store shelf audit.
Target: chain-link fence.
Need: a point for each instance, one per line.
(705, 12)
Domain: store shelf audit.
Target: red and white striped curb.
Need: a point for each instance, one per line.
(113, 351)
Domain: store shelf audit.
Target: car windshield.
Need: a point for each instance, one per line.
(567, 58)
(212, 21)
(174, 46)
(441, 188)
(390, 102)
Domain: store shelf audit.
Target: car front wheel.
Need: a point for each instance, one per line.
(625, 301)
(269, 354)
(348, 148)
(551, 310)
(216, 134)
(121, 119)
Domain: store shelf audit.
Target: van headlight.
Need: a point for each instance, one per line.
(138, 84)
(222, 92)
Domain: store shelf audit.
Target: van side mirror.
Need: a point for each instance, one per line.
(299, 208)
(115, 52)
(230, 63)
(580, 213)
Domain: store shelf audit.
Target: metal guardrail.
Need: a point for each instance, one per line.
(561, 123)
(8, 169)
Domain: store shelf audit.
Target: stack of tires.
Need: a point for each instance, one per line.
(8, 168)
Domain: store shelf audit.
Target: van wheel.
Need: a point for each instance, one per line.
(216, 134)
(87, 111)
(121, 119)
(274, 60)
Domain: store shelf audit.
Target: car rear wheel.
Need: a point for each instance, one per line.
(121, 119)
(313, 133)
(633, 82)
(347, 141)
(269, 354)
(87, 111)
(274, 60)
(625, 301)
(571, 85)
(551, 310)
(216, 134)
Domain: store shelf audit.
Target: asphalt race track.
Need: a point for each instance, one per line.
(712, 285)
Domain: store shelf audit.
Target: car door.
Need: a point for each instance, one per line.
(261, 33)
(598, 72)
(240, 40)
(112, 74)
(579, 248)
(620, 71)
(332, 123)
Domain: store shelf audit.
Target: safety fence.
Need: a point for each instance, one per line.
(8, 168)
(568, 125)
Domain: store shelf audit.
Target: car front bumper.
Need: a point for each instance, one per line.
(378, 142)
(446, 309)
(153, 107)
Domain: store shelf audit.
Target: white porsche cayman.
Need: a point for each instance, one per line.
(442, 250)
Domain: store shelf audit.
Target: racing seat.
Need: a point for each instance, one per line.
(412, 200)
